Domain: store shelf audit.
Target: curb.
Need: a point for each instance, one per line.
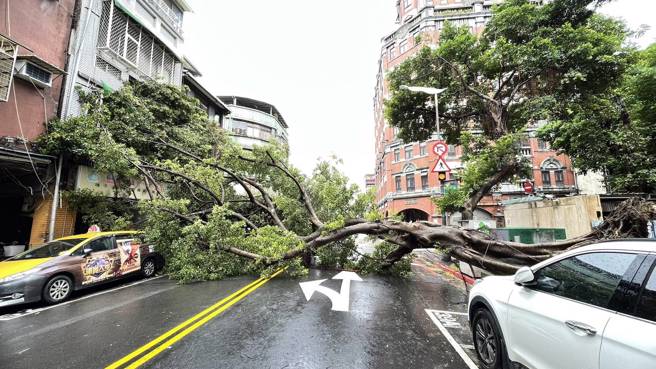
(469, 280)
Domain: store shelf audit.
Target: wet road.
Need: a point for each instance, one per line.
(273, 326)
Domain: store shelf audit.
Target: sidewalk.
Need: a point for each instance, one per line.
(427, 265)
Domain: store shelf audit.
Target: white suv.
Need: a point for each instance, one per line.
(589, 308)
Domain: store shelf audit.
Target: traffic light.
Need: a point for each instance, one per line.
(441, 176)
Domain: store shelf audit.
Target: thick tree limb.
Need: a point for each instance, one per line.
(507, 170)
(270, 207)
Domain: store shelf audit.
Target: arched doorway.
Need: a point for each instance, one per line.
(414, 215)
(479, 214)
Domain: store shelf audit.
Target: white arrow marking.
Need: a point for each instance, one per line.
(340, 301)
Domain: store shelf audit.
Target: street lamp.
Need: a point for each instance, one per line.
(430, 91)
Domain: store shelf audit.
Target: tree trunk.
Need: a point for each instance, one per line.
(504, 173)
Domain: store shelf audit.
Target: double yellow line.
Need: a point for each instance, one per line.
(163, 342)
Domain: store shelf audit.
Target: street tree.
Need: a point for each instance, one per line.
(614, 132)
(528, 62)
(217, 210)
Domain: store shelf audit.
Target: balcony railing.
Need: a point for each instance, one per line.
(168, 14)
(255, 116)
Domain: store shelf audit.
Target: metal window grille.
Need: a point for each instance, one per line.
(105, 16)
(117, 32)
(37, 73)
(170, 13)
(158, 57)
(145, 54)
(8, 51)
(134, 44)
(105, 66)
(168, 65)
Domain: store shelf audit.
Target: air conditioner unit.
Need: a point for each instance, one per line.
(34, 73)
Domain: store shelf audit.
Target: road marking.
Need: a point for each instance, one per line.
(200, 319)
(91, 314)
(340, 302)
(434, 316)
(8, 317)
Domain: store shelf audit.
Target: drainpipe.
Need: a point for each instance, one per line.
(55, 200)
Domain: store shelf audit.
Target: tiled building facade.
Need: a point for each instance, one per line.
(31, 87)
(404, 182)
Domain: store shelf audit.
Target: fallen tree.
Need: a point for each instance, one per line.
(216, 210)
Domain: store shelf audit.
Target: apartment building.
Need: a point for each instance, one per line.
(253, 122)
(115, 41)
(32, 75)
(215, 108)
(404, 182)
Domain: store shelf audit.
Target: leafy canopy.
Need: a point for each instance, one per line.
(528, 61)
(209, 196)
(614, 132)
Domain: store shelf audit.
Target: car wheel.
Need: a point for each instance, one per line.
(488, 341)
(58, 289)
(148, 268)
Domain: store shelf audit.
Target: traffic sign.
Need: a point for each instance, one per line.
(440, 148)
(528, 187)
(441, 166)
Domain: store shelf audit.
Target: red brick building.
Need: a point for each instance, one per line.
(34, 40)
(404, 182)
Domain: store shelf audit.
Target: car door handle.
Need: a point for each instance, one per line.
(578, 326)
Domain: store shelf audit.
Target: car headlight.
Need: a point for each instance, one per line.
(14, 277)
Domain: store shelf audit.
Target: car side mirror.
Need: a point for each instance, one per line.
(524, 276)
(87, 252)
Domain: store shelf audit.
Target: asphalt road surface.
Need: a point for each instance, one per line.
(390, 323)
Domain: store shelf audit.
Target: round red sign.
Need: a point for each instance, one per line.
(440, 148)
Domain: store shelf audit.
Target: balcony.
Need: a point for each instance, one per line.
(255, 116)
(168, 14)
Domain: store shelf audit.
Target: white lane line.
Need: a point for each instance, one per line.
(36, 311)
(91, 314)
(432, 315)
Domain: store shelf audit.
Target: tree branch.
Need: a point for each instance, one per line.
(304, 197)
(186, 178)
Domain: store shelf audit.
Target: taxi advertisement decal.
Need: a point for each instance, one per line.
(100, 266)
(130, 256)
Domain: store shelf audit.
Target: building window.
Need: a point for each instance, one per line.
(452, 151)
(397, 155)
(543, 145)
(546, 178)
(135, 45)
(410, 182)
(407, 3)
(422, 150)
(552, 165)
(424, 181)
(391, 52)
(403, 47)
(560, 177)
(408, 153)
(397, 182)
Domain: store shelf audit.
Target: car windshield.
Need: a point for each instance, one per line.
(48, 250)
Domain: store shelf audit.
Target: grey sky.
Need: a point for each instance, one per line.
(316, 61)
